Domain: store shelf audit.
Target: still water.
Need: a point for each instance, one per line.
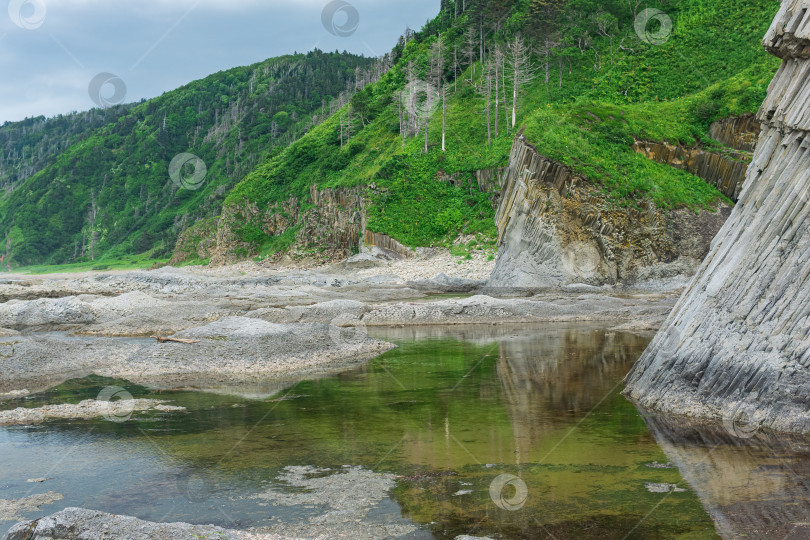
(507, 432)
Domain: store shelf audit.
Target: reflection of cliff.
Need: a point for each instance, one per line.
(563, 374)
(739, 340)
(752, 488)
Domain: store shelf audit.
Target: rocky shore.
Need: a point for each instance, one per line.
(252, 330)
(246, 325)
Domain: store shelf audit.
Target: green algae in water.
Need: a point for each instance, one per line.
(447, 417)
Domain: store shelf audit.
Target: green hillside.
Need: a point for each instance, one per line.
(109, 194)
(711, 66)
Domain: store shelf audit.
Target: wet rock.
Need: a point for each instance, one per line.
(118, 410)
(342, 499)
(81, 524)
(11, 509)
(246, 349)
(483, 309)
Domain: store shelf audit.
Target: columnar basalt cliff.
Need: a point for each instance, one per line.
(556, 228)
(329, 228)
(737, 346)
(726, 171)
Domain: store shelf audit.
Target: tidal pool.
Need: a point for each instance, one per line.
(511, 432)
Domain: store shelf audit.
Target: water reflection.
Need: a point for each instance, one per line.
(448, 412)
(757, 487)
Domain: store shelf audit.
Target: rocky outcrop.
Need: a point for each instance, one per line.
(196, 243)
(384, 242)
(725, 171)
(738, 343)
(556, 228)
(329, 227)
(738, 132)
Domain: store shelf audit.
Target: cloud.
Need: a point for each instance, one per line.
(158, 45)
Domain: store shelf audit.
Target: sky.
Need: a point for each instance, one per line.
(60, 56)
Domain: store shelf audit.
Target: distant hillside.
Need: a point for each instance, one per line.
(96, 185)
(28, 146)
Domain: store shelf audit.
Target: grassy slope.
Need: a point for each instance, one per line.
(711, 67)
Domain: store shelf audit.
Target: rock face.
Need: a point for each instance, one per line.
(737, 345)
(740, 132)
(725, 171)
(556, 229)
(334, 219)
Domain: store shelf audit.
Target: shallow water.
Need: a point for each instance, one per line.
(450, 412)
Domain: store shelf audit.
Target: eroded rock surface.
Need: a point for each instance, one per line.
(738, 343)
(85, 410)
(556, 229)
(81, 524)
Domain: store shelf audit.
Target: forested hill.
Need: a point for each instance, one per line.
(28, 146)
(409, 132)
(95, 185)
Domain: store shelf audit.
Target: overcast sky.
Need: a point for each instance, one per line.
(51, 50)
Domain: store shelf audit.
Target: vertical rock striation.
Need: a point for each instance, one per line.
(556, 228)
(737, 345)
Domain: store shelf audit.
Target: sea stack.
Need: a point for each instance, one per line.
(737, 346)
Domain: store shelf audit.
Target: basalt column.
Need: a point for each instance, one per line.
(737, 346)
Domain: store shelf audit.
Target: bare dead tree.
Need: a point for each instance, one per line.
(484, 89)
(521, 68)
(607, 25)
(436, 77)
(634, 6)
(496, 59)
(469, 45)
